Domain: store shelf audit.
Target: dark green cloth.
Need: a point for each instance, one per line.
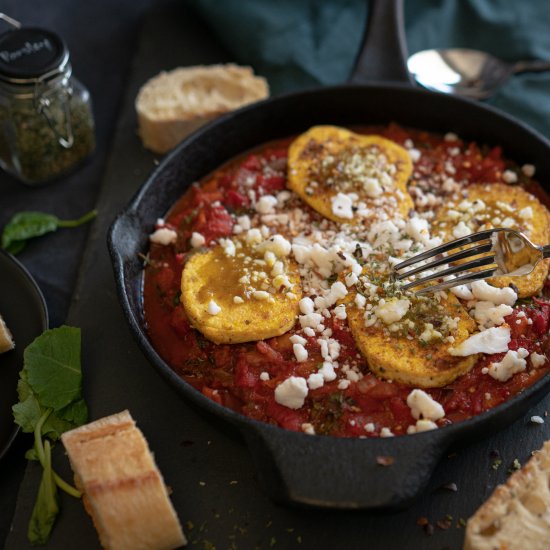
(304, 43)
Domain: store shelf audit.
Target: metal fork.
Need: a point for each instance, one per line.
(499, 251)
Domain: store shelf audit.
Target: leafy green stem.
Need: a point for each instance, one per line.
(64, 486)
(42, 454)
(38, 437)
(79, 221)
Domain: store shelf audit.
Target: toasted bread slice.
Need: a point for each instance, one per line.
(123, 490)
(327, 161)
(6, 338)
(517, 514)
(423, 361)
(173, 104)
(212, 279)
(498, 205)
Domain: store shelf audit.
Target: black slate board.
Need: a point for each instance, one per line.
(215, 490)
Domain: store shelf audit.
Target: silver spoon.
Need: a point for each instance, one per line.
(469, 73)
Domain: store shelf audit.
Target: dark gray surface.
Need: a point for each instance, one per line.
(211, 474)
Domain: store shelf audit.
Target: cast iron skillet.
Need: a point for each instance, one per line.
(294, 467)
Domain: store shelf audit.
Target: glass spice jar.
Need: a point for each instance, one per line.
(46, 120)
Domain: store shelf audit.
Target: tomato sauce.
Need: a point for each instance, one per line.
(231, 374)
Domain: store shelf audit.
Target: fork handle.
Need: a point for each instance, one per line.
(546, 251)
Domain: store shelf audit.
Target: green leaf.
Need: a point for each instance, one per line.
(31, 454)
(75, 413)
(26, 225)
(27, 413)
(46, 506)
(52, 367)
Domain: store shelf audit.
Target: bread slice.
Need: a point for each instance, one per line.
(517, 515)
(173, 104)
(123, 490)
(6, 338)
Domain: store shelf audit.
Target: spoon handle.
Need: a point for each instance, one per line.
(531, 66)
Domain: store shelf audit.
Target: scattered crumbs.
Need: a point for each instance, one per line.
(156, 162)
(202, 527)
(444, 523)
(537, 419)
(516, 465)
(272, 542)
(290, 529)
(202, 483)
(189, 525)
(461, 523)
(299, 539)
(217, 515)
(426, 525)
(385, 460)
(545, 413)
(207, 545)
(496, 463)
(208, 442)
(450, 487)
(269, 523)
(233, 482)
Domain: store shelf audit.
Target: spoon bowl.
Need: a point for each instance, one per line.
(465, 72)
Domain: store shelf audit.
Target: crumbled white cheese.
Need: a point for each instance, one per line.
(372, 188)
(512, 362)
(340, 312)
(292, 392)
(415, 155)
(342, 206)
(297, 339)
(484, 291)
(526, 213)
(300, 352)
(369, 427)
(308, 428)
(163, 236)
(213, 308)
(422, 425)
(197, 240)
(488, 315)
(461, 230)
(261, 295)
(537, 419)
(386, 432)
(492, 340)
(537, 359)
(463, 292)
(264, 376)
(528, 170)
(228, 247)
(315, 380)
(450, 136)
(238, 300)
(276, 244)
(509, 176)
(430, 334)
(327, 371)
(266, 204)
(392, 310)
(423, 406)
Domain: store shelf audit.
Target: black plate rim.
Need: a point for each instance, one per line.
(39, 299)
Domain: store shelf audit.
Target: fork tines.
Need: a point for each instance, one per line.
(445, 255)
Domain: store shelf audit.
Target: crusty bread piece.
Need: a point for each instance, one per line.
(6, 338)
(123, 490)
(517, 515)
(173, 104)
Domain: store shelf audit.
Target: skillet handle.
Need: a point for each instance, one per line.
(318, 471)
(383, 54)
